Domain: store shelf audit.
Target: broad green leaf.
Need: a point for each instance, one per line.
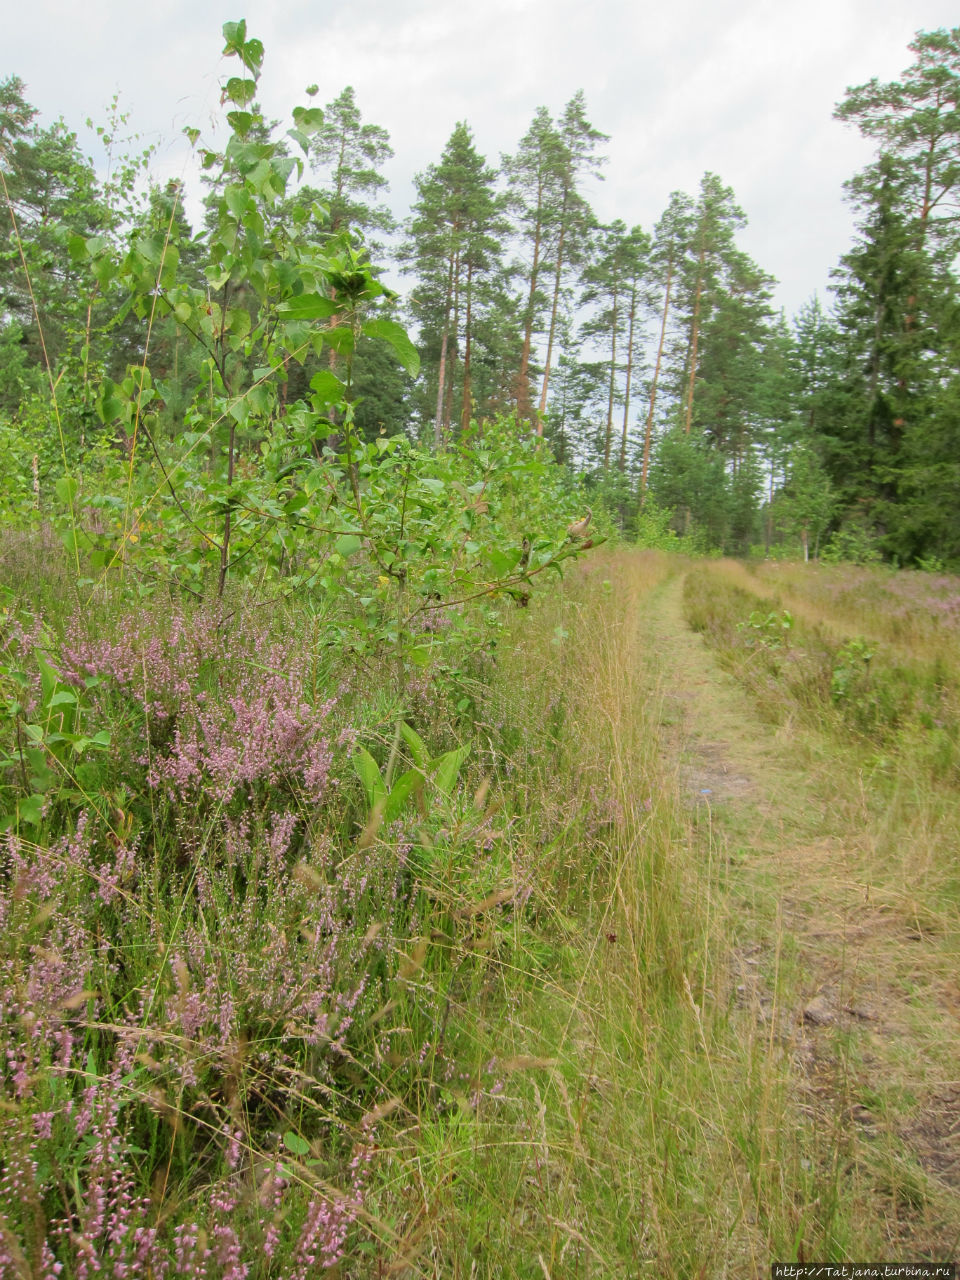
(446, 768)
(327, 388)
(405, 787)
(397, 338)
(368, 771)
(308, 306)
(240, 91)
(67, 489)
(341, 338)
(308, 119)
(418, 748)
(63, 697)
(293, 1142)
(237, 199)
(504, 562)
(29, 810)
(234, 34)
(348, 544)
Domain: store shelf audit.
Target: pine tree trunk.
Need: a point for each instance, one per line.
(648, 432)
(626, 391)
(465, 412)
(524, 408)
(441, 373)
(558, 276)
(694, 342)
(452, 355)
(608, 437)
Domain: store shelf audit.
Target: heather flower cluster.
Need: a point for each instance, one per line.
(197, 961)
(224, 712)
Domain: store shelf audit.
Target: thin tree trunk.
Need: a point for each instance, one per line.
(465, 412)
(558, 275)
(626, 390)
(441, 373)
(694, 341)
(608, 438)
(648, 432)
(524, 408)
(448, 407)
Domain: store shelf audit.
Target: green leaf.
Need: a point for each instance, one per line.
(418, 748)
(396, 337)
(348, 544)
(308, 119)
(29, 810)
(240, 91)
(327, 388)
(504, 562)
(63, 697)
(446, 768)
(238, 200)
(368, 771)
(293, 1142)
(234, 34)
(67, 489)
(405, 787)
(253, 54)
(308, 306)
(241, 122)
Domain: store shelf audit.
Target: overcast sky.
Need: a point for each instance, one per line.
(745, 88)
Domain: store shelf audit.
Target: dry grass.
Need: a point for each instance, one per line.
(656, 1101)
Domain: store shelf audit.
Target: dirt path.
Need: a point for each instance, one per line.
(831, 953)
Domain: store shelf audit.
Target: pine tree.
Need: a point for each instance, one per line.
(453, 246)
(350, 156)
(614, 282)
(916, 121)
(535, 183)
(572, 216)
(671, 238)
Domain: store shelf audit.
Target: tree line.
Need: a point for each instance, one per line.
(651, 359)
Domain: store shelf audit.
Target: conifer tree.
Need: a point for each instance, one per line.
(916, 121)
(350, 155)
(452, 246)
(671, 238)
(572, 216)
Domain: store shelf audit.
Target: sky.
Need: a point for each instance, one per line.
(745, 88)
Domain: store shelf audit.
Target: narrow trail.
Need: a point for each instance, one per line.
(831, 957)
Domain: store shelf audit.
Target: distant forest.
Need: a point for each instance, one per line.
(651, 359)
